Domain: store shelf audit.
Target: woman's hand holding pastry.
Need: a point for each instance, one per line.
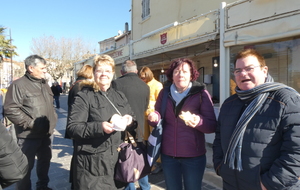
(119, 122)
(107, 127)
(195, 119)
(190, 119)
(153, 117)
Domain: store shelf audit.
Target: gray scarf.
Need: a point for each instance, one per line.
(258, 95)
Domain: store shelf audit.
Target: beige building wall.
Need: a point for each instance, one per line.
(166, 12)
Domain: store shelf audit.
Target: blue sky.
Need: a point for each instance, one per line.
(92, 20)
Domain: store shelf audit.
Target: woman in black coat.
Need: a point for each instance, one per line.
(89, 124)
(85, 73)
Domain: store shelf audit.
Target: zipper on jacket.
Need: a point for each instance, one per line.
(236, 177)
(175, 132)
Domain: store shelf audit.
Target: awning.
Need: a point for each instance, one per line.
(177, 48)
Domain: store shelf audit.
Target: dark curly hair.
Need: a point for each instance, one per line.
(177, 62)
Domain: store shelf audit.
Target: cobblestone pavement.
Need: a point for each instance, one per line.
(62, 151)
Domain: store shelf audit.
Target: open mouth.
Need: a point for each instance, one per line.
(246, 80)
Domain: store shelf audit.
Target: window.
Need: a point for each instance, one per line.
(145, 9)
(282, 58)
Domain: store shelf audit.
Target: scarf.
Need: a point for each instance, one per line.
(258, 95)
(179, 96)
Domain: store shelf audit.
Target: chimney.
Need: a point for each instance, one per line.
(126, 27)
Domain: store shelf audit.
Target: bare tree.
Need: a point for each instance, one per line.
(61, 53)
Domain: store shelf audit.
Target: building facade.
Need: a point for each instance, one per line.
(211, 33)
(10, 70)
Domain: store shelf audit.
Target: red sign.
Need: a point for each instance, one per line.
(163, 38)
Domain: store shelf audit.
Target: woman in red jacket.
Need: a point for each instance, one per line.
(189, 115)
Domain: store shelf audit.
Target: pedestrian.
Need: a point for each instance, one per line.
(13, 163)
(91, 126)
(155, 87)
(29, 106)
(56, 89)
(85, 73)
(257, 139)
(189, 115)
(137, 93)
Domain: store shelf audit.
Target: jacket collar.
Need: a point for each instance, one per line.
(33, 79)
(195, 88)
(129, 75)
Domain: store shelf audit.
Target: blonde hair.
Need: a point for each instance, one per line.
(104, 60)
(86, 71)
(148, 74)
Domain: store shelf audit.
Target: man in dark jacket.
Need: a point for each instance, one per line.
(137, 92)
(29, 106)
(257, 139)
(56, 90)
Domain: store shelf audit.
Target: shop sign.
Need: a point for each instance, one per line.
(116, 54)
(163, 38)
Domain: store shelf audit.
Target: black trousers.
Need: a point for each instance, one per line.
(42, 149)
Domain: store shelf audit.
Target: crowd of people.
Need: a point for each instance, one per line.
(256, 132)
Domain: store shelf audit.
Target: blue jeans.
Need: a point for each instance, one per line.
(191, 170)
(143, 182)
(56, 98)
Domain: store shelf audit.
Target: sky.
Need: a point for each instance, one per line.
(91, 20)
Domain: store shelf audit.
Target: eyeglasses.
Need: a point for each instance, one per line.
(250, 69)
(104, 71)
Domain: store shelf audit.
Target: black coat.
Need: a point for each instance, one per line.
(29, 106)
(56, 90)
(137, 93)
(271, 143)
(75, 88)
(13, 163)
(95, 152)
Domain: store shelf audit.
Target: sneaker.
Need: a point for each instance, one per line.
(43, 188)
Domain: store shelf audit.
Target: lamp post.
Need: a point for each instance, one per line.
(11, 57)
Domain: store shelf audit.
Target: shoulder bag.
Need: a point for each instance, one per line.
(132, 161)
(154, 140)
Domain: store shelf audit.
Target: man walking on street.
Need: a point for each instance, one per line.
(29, 105)
(56, 89)
(137, 92)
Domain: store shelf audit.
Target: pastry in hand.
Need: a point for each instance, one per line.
(119, 122)
(186, 116)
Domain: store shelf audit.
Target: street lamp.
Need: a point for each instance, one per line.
(11, 57)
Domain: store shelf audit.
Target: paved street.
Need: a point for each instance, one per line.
(62, 150)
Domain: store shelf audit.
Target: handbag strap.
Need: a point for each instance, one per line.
(164, 102)
(112, 104)
(75, 83)
(129, 137)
